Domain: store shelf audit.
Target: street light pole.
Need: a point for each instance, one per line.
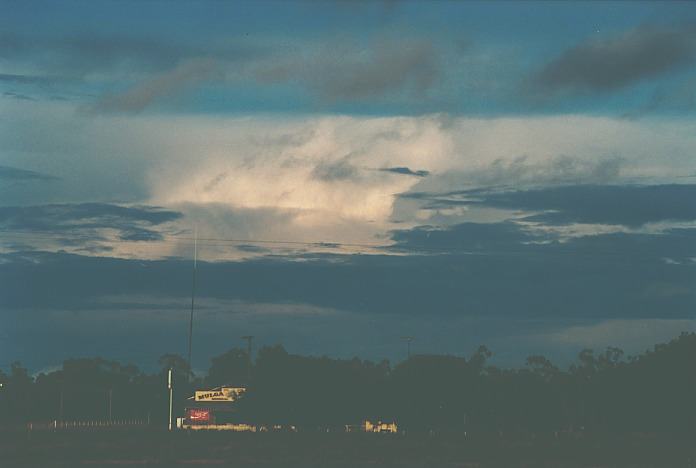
(169, 386)
(408, 340)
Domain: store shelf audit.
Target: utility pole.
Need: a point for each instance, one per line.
(193, 296)
(169, 386)
(248, 339)
(408, 340)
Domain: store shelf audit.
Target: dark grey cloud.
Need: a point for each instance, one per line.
(613, 62)
(629, 205)
(610, 204)
(384, 68)
(675, 246)
(139, 234)
(142, 95)
(83, 219)
(8, 173)
(84, 53)
(604, 276)
(168, 67)
(345, 71)
(406, 171)
(463, 282)
(342, 169)
(252, 248)
(339, 72)
(465, 237)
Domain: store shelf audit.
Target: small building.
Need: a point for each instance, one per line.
(374, 427)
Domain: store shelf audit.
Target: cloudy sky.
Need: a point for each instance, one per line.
(520, 175)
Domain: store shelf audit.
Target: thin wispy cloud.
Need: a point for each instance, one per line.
(8, 173)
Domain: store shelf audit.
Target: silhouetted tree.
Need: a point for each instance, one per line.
(651, 392)
(231, 367)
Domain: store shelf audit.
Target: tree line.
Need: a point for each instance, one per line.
(653, 392)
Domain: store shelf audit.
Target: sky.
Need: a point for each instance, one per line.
(519, 175)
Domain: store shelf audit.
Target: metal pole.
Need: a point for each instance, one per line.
(169, 386)
(408, 340)
(111, 391)
(60, 411)
(193, 295)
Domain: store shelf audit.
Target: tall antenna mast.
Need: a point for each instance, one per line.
(193, 294)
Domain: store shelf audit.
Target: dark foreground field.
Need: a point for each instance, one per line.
(152, 448)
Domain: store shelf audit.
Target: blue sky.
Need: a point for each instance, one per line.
(515, 174)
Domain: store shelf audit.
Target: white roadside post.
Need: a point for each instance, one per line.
(169, 385)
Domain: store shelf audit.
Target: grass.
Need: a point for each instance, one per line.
(143, 447)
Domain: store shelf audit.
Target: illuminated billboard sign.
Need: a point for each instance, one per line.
(221, 394)
(198, 415)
